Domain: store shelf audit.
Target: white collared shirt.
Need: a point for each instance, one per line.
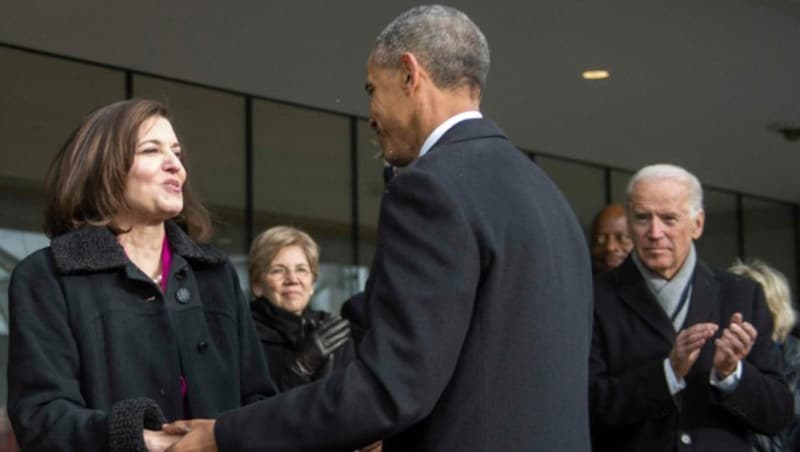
(444, 127)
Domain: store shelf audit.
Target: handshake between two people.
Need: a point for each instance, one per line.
(732, 346)
(313, 353)
(196, 435)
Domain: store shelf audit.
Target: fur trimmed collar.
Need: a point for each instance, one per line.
(93, 248)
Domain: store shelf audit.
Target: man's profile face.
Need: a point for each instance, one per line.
(661, 224)
(391, 114)
(611, 241)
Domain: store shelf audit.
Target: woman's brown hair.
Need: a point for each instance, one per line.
(85, 184)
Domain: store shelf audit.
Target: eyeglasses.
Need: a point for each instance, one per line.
(281, 272)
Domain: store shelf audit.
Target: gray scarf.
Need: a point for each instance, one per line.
(669, 292)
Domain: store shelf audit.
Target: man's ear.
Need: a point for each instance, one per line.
(699, 223)
(411, 70)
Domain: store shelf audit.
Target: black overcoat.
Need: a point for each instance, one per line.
(90, 335)
(631, 407)
(478, 312)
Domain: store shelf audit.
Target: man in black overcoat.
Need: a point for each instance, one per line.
(478, 306)
(681, 354)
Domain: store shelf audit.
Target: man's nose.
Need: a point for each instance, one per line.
(655, 230)
(612, 244)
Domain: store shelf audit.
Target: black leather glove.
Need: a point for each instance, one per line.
(319, 345)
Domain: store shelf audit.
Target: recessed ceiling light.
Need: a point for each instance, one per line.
(596, 74)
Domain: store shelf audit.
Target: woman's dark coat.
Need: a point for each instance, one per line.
(282, 333)
(96, 348)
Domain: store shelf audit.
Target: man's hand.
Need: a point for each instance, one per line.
(158, 441)
(377, 446)
(198, 435)
(733, 345)
(687, 347)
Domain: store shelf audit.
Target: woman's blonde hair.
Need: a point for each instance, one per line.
(776, 291)
(269, 243)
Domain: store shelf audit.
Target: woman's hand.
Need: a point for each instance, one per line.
(158, 441)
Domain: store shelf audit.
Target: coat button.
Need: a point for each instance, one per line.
(183, 295)
(202, 346)
(162, 391)
(180, 274)
(686, 439)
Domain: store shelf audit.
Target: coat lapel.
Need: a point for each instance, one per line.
(634, 292)
(705, 290)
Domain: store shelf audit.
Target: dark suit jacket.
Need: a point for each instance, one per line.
(631, 408)
(478, 309)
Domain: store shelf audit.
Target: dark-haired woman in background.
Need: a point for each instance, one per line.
(127, 319)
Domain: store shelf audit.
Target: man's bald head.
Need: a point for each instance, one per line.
(610, 240)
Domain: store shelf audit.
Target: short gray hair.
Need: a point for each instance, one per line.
(444, 40)
(671, 172)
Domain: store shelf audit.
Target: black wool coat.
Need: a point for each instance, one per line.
(96, 350)
(631, 407)
(477, 319)
(282, 333)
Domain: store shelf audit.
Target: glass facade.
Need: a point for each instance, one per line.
(769, 230)
(719, 244)
(583, 185)
(257, 163)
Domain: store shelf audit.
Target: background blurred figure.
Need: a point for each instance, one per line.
(779, 301)
(610, 240)
(301, 344)
(126, 320)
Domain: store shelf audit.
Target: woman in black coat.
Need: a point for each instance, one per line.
(301, 344)
(126, 320)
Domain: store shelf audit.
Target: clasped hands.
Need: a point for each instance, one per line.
(196, 435)
(733, 345)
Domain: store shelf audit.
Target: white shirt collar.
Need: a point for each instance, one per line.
(444, 127)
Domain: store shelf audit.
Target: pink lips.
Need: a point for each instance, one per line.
(173, 186)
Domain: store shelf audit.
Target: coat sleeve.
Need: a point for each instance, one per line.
(45, 403)
(762, 400)
(256, 383)
(420, 301)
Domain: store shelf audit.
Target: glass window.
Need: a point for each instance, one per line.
(42, 100)
(619, 185)
(583, 186)
(211, 126)
(769, 235)
(371, 184)
(720, 240)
